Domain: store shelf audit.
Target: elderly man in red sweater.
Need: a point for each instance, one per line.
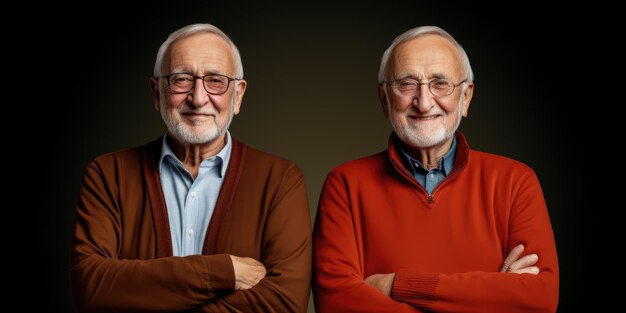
(429, 224)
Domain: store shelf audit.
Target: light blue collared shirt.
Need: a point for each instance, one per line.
(430, 179)
(190, 203)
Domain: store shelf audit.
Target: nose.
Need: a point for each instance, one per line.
(423, 99)
(198, 96)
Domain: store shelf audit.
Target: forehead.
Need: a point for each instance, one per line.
(425, 57)
(202, 52)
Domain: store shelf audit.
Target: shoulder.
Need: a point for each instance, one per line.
(122, 156)
(498, 164)
(118, 159)
(265, 174)
(114, 168)
(363, 166)
(127, 161)
(261, 162)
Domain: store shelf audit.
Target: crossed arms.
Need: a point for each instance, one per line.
(114, 268)
(346, 240)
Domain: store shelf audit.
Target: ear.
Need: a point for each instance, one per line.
(241, 89)
(467, 97)
(383, 100)
(156, 95)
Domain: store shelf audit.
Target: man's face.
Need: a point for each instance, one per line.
(197, 117)
(419, 118)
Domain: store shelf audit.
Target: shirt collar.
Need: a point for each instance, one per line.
(446, 163)
(223, 156)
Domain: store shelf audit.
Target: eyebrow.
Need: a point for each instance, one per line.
(431, 76)
(218, 72)
(406, 75)
(439, 76)
(209, 72)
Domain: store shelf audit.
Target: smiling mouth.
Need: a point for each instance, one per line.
(424, 118)
(197, 116)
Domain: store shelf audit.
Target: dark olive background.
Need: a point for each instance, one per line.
(312, 98)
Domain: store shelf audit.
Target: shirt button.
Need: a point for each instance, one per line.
(193, 194)
(190, 232)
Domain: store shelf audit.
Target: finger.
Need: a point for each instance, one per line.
(261, 272)
(524, 262)
(370, 279)
(255, 262)
(512, 257)
(527, 270)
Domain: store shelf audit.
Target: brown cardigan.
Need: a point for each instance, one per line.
(122, 252)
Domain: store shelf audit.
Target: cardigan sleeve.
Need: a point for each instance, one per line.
(339, 284)
(529, 224)
(286, 256)
(103, 282)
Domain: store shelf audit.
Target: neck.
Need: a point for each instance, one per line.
(191, 155)
(429, 157)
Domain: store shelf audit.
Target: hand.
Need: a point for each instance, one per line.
(514, 264)
(382, 282)
(248, 272)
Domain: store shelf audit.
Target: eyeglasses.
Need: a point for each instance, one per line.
(214, 84)
(439, 87)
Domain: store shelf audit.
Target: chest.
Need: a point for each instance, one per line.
(461, 230)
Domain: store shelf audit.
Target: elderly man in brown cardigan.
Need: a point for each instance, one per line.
(195, 220)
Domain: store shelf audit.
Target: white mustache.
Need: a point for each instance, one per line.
(435, 111)
(203, 112)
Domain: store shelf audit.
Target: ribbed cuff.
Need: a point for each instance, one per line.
(415, 288)
(220, 272)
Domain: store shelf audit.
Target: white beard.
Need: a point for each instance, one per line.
(184, 133)
(417, 135)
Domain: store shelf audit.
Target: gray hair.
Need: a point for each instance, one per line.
(418, 32)
(188, 31)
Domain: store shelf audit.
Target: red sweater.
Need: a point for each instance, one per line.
(446, 251)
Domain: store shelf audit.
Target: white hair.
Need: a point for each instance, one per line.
(188, 31)
(418, 32)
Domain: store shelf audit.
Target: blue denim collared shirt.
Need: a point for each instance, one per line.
(429, 179)
(190, 202)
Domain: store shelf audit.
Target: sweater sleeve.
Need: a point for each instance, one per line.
(339, 284)
(529, 224)
(286, 256)
(104, 282)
